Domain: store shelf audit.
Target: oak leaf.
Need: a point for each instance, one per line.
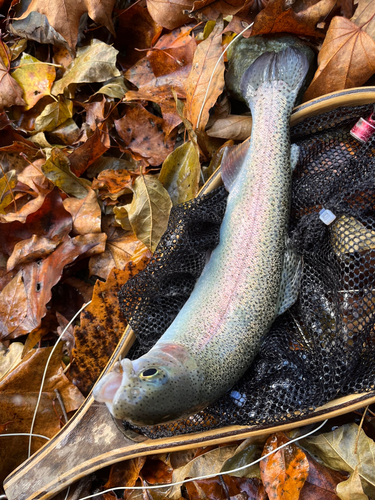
(64, 15)
(346, 59)
(93, 63)
(149, 210)
(284, 472)
(199, 96)
(35, 79)
(279, 17)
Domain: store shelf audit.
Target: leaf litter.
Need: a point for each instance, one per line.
(112, 132)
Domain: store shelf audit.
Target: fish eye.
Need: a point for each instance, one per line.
(149, 373)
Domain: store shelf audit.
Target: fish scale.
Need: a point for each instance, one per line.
(217, 333)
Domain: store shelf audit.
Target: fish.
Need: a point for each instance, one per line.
(249, 278)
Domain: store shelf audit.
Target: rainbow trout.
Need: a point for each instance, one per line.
(243, 287)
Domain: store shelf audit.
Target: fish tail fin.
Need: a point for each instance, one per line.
(288, 67)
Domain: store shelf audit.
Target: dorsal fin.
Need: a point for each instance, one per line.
(233, 159)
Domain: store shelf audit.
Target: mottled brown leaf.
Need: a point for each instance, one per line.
(102, 326)
(113, 183)
(283, 473)
(142, 133)
(346, 59)
(86, 213)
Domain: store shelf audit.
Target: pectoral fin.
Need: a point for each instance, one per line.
(291, 278)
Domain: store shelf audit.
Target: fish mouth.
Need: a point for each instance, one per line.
(106, 389)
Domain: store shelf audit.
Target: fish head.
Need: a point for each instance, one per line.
(161, 386)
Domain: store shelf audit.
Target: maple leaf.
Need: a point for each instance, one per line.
(346, 59)
(64, 15)
(279, 17)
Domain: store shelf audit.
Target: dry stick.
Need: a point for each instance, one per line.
(158, 486)
(213, 72)
(45, 372)
(61, 403)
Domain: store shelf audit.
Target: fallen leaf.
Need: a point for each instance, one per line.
(10, 92)
(138, 32)
(9, 358)
(211, 9)
(93, 347)
(180, 173)
(115, 88)
(35, 79)
(54, 115)
(364, 16)
(7, 183)
(23, 301)
(93, 63)
(142, 133)
(231, 488)
(113, 183)
(85, 212)
(64, 15)
(149, 210)
(18, 397)
(120, 250)
(280, 17)
(124, 473)
(235, 127)
(27, 250)
(321, 482)
(199, 100)
(170, 14)
(208, 463)
(339, 450)
(285, 471)
(67, 133)
(57, 170)
(346, 59)
(351, 489)
(155, 471)
(95, 146)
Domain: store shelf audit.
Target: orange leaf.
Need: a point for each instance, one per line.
(284, 472)
(279, 17)
(206, 56)
(346, 59)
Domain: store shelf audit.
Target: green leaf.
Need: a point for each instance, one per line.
(54, 115)
(180, 173)
(115, 88)
(94, 63)
(149, 210)
(7, 183)
(339, 450)
(57, 170)
(351, 489)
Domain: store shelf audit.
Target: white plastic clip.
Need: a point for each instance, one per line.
(326, 216)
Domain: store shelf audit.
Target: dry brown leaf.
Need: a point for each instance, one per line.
(198, 104)
(235, 127)
(10, 92)
(18, 397)
(364, 16)
(169, 13)
(86, 213)
(346, 59)
(279, 17)
(27, 250)
(64, 15)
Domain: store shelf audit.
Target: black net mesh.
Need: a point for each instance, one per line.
(324, 345)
